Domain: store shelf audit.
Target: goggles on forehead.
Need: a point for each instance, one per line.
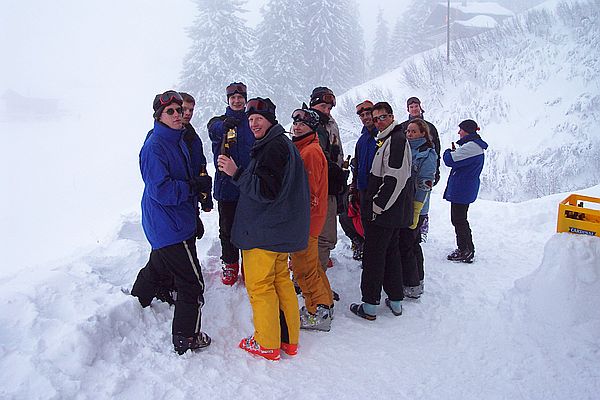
(328, 98)
(170, 96)
(364, 109)
(234, 88)
(259, 105)
(300, 116)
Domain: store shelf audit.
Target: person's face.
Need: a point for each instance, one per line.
(414, 110)
(300, 128)
(237, 102)
(172, 116)
(188, 111)
(413, 132)
(366, 117)
(462, 133)
(259, 125)
(325, 108)
(382, 119)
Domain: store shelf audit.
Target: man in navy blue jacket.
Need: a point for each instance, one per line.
(171, 193)
(231, 136)
(463, 185)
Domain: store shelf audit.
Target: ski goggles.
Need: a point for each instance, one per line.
(365, 106)
(300, 115)
(236, 87)
(260, 105)
(171, 111)
(169, 97)
(413, 100)
(328, 98)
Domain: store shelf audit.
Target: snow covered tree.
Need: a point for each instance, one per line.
(219, 54)
(332, 44)
(279, 52)
(381, 56)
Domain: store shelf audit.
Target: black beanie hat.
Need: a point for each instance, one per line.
(469, 126)
(161, 101)
(264, 107)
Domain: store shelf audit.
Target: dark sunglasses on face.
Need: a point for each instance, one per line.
(171, 111)
(169, 97)
(382, 117)
(234, 88)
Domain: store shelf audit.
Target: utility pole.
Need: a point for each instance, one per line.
(448, 35)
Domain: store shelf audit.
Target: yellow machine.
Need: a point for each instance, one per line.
(574, 217)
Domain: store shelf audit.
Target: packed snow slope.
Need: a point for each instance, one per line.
(531, 84)
(521, 322)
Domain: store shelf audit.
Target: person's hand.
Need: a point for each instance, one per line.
(226, 165)
(231, 123)
(201, 185)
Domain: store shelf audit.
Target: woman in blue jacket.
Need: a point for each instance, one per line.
(424, 168)
(463, 185)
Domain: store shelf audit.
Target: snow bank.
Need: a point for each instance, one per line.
(564, 292)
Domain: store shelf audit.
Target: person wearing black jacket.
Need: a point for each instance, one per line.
(390, 193)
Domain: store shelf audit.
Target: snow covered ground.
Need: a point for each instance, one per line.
(521, 322)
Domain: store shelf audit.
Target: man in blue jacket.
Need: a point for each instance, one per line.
(171, 193)
(231, 136)
(463, 185)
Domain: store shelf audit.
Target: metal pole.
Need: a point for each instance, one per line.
(448, 34)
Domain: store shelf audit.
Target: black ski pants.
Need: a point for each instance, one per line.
(382, 266)
(179, 262)
(411, 254)
(229, 253)
(458, 217)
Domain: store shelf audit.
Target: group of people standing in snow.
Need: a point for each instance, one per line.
(279, 198)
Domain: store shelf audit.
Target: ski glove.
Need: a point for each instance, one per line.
(201, 186)
(417, 207)
(231, 123)
(199, 225)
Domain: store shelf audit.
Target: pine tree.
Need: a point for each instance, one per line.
(279, 51)
(219, 55)
(381, 56)
(332, 48)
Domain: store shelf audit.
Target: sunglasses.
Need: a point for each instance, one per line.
(259, 105)
(382, 117)
(171, 111)
(170, 96)
(328, 98)
(234, 88)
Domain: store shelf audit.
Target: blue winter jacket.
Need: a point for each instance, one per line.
(273, 212)
(168, 206)
(224, 189)
(365, 150)
(424, 167)
(466, 163)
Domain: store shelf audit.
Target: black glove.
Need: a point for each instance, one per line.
(231, 122)
(199, 226)
(201, 185)
(206, 203)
